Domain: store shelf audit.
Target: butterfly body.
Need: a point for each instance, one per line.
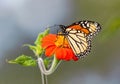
(79, 36)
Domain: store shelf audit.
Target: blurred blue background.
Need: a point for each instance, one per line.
(22, 20)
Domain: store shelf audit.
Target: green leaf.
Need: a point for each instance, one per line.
(40, 36)
(24, 60)
(37, 49)
(47, 61)
(33, 48)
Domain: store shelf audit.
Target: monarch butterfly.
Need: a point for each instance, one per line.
(79, 36)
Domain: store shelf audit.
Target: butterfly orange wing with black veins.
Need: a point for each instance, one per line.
(79, 36)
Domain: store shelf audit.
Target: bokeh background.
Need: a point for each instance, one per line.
(22, 20)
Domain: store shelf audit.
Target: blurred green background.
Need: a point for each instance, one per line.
(22, 20)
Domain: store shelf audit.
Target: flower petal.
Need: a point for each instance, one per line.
(75, 58)
(50, 50)
(49, 37)
(48, 40)
(58, 53)
(46, 44)
(69, 54)
(62, 53)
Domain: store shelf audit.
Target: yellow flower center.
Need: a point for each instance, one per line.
(61, 42)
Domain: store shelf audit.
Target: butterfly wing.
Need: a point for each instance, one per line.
(79, 36)
(79, 43)
(92, 26)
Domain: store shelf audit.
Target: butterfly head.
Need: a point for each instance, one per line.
(63, 28)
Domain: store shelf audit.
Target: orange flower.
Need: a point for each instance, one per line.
(57, 45)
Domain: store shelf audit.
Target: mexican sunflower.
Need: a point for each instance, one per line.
(57, 45)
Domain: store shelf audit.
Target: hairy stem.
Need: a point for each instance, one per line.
(53, 67)
(44, 78)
